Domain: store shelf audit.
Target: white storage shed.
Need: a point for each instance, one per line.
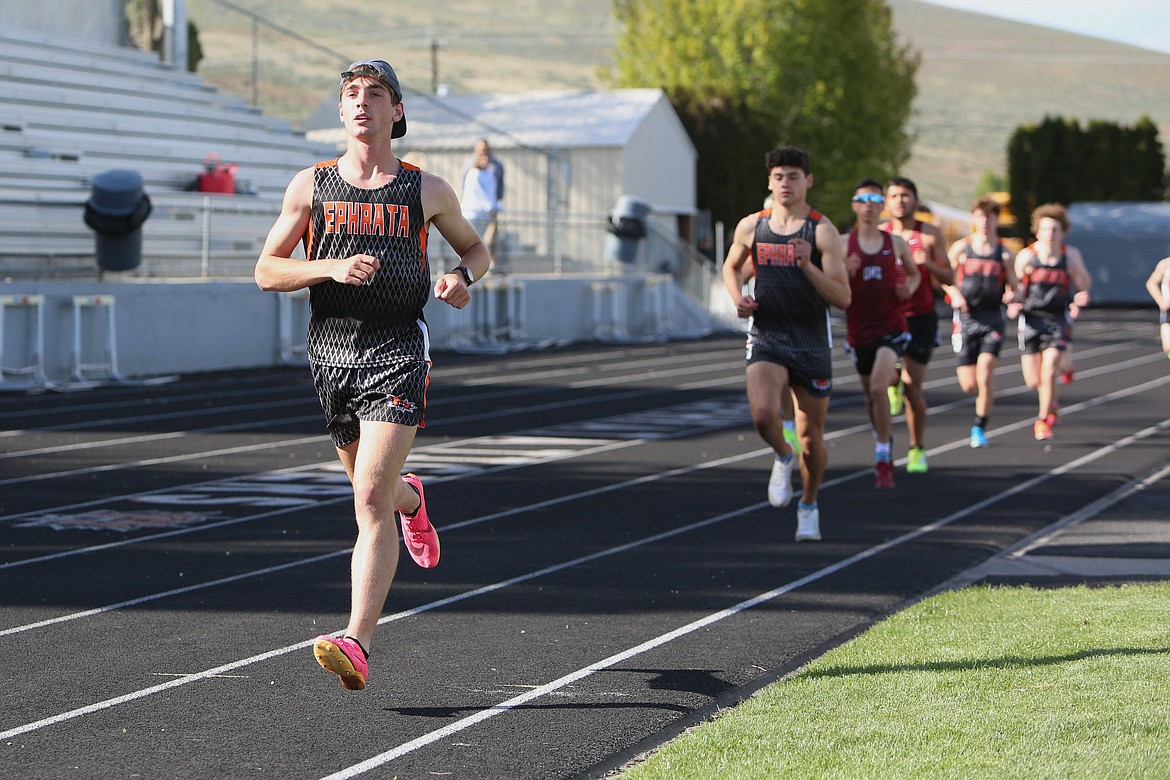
(566, 153)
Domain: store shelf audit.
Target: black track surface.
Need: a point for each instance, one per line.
(611, 570)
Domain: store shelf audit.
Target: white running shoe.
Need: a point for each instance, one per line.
(780, 483)
(808, 524)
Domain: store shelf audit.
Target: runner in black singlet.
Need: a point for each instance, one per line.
(363, 219)
(1158, 285)
(1049, 271)
(985, 279)
(795, 255)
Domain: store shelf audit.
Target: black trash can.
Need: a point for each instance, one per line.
(627, 228)
(116, 209)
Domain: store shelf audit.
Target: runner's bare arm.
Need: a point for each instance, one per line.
(1079, 274)
(1154, 283)
(831, 280)
(936, 257)
(737, 267)
(441, 207)
(913, 276)
(277, 271)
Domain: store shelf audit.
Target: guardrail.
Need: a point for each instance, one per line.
(193, 235)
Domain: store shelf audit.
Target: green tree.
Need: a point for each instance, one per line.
(144, 24)
(1059, 161)
(744, 77)
(194, 48)
(990, 181)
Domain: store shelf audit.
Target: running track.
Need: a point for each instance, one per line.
(611, 571)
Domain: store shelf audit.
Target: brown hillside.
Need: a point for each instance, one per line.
(980, 77)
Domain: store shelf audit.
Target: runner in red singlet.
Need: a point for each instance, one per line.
(882, 277)
(928, 250)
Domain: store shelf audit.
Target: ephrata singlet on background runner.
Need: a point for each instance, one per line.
(791, 312)
(981, 279)
(1047, 288)
(376, 323)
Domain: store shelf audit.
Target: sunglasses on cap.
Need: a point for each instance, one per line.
(868, 197)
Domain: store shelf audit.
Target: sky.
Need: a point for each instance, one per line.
(1144, 23)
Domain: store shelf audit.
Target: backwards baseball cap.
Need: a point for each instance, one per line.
(381, 70)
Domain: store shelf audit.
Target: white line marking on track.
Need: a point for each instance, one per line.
(646, 479)
(175, 592)
(566, 680)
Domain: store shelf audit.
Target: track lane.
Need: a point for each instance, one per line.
(621, 598)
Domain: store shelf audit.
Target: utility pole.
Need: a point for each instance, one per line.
(174, 13)
(434, 65)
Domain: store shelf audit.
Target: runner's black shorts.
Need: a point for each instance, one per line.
(864, 356)
(923, 336)
(808, 369)
(977, 337)
(1038, 333)
(392, 393)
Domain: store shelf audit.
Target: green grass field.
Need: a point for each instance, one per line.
(979, 683)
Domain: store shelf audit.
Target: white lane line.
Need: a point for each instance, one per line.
(715, 382)
(176, 592)
(319, 438)
(568, 679)
(607, 447)
(1041, 538)
(840, 433)
(218, 411)
(561, 682)
(154, 461)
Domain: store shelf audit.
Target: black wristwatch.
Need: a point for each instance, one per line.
(467, 275)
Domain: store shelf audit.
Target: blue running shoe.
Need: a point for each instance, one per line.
(978, 437)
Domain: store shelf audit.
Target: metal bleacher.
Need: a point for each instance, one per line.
(72, 109)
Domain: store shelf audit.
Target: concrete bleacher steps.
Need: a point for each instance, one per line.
(44, 234)
(72, 109)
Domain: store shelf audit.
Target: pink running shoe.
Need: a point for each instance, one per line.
(884, 474)
(421, 538)
(345, 658)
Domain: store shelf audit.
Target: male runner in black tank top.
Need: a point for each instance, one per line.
(985, 279)
(363, 219)
(795, 255)
(1158, 286)
(1049, 271)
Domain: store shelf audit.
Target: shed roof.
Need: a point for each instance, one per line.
(543, 119)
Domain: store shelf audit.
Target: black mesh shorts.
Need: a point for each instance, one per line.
(1037, 334)
(976, 337)
(393, 393)
(810, 369)
(923, 337)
